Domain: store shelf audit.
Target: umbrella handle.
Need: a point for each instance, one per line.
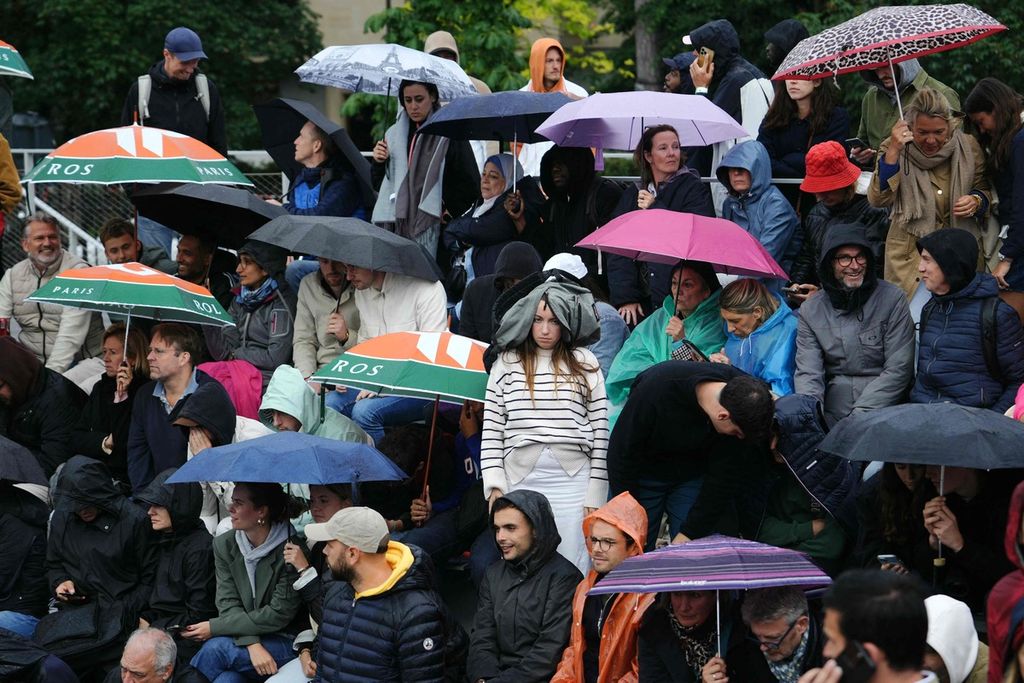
(430, 448)
(718, 621)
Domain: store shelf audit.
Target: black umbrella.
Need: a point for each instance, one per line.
(505, 116)
(351, 241)
(280, 123)
(224, 214)
(19, 465)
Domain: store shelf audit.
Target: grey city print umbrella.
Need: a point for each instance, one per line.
(378, 69)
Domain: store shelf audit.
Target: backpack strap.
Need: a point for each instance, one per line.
(203, 88)
(145, 88)
(989, 334)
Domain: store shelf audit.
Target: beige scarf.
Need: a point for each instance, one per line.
(914, 208)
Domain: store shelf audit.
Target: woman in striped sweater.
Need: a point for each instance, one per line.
(546, 416)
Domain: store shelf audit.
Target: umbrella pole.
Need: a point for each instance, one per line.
(718, 620)
(356, 497)
(323, 402)
(940, 561)
(515, 157)
(430, 448)
(895, 86)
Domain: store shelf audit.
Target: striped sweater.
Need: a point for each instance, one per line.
(516, 427)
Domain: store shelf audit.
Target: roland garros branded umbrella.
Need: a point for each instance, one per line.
(11, 63)
(135, 154)
(713, 563)
(885, 36)
(437, 365)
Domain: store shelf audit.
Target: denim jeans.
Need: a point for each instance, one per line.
(658, 497)
(22, 624)
(221, 661)
(156, 234)
(374, 414)
(437, 538)
(482, 554)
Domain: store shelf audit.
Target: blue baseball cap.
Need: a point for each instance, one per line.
(184, 44)
(681, 62)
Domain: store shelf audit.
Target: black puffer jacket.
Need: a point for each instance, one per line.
(100, 417)
(44, 406)
(111, 559)
(818, 223)
(23, 586)
(185, 586)
(648, 284)
(524, 613)
(403, 633)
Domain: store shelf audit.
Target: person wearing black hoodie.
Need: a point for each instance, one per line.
(38, 407)
(524, 612)
(855, 338)
(185, 587)
(780, 39)
(23, 516)
(515, 262)
(972, 344)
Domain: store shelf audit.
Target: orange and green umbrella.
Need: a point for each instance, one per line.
(429, 365)
(133, 289)
(11, 63)
(135, 154)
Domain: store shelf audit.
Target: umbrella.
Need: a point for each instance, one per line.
(280, 123)
(505, 116)
(712, 563)
(377, 69)
(11, 63)
(617, 120)
(929, 434)
(135, 154)
(19, 465)
(884, 36)
(352, 241)
(290, 458)
(664, 236)
(225, 214)
(437, 365)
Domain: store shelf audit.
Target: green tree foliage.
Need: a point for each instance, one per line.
(85, 54)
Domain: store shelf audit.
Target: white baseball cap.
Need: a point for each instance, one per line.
(359, 527)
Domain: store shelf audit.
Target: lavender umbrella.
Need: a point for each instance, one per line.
(712, 563)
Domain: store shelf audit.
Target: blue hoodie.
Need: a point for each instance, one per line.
(763, 211)
(769, 353)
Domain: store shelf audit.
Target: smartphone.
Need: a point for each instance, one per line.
(857, 666)
(174, 630)
(889, 559)
(704, 57)
(853, 143)
(75, 598)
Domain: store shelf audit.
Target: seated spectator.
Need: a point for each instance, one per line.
(326, 185)
(154, 444)
(24, 513)
(289, 405)
(787, 636)
(953, 651)
(38, 407)
(889, 518)
(968, 519)
(382, 620)
(498, 218)
(99, 551)
(688, 317)
(855, 339)
(833, 180)
(184, 590)
(263, 310)
(258, 611)
(151, 655)
(1004, 629)
(310, 562)
(762, 334)
(524, 612)
(102, 430)
(324, 296)
(516, 261)
(687, 442)
(57, 335)
(756, 205)
(202, 263)
(972, 344)
(602, 642)
(121, 246)
(679, 638)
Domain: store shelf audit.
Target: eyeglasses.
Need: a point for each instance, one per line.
(846, 259)
(772, 645)
(603, 544)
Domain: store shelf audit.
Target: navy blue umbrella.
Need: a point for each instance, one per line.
(506, 116)
(290, 458)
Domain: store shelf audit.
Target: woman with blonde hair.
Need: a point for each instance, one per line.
(102, 429)
(932, 175)
(761, 334)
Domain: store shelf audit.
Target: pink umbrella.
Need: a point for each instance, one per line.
(663, 236)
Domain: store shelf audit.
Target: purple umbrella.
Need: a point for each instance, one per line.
(617, 120)
(712, 563)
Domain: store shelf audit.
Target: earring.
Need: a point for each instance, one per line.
(260, 522)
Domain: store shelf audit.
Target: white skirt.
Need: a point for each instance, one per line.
(566, 494)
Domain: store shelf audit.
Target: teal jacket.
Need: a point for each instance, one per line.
(289, 394)
(769, 353)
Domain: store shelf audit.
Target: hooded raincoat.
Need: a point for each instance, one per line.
(952, 635)
(619, 615)
(769, 352)
(23, 519)
(524, 611)
(762, 210)
(1005, 614)
(289, 394)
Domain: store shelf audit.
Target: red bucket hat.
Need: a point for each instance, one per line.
(828, 168)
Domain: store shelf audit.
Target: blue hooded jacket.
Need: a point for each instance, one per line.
(769, 353)
(763, 211)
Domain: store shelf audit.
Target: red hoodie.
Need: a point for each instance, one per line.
(1004, 636)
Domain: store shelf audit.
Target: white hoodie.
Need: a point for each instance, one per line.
(952, 635)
